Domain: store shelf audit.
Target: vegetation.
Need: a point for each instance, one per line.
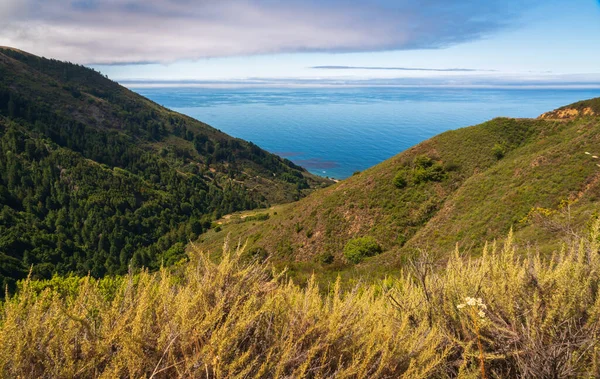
(423, 170)
(509, 313)
(453, 188)
(499, 151)
(101, 189)
(360, 248)
(400, 179)
(256, 217)
(427, 170)
(95, 179)
(584, 108)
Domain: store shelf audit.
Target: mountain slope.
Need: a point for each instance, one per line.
(94, 177)
(79, 98)
(464, 186)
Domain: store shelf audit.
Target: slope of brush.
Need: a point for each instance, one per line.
(464, 186)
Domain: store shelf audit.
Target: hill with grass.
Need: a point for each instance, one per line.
(95, 178)
(464, 187)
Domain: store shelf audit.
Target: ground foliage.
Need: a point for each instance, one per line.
(509, 313)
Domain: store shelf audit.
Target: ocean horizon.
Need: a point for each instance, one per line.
(335, 132)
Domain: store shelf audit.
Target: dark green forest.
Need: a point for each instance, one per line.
(96, 179)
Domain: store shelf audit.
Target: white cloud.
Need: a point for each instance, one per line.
(11, 8)
(122, 31)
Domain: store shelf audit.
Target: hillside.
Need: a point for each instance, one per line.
(465, 187)
(94, 178)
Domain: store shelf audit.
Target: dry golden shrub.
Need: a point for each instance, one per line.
(237, 319)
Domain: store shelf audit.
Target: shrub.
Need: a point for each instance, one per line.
(422, 161)
(175, 254)
(360, 248)
(424, 169)
(325, 258)
(209, 320)
(258, 253)
(257, 217)
(451, 166)
(433, 173)
(507, 313)
(400, 179)
(499, 151)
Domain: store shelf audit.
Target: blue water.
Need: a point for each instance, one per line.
(335, 132)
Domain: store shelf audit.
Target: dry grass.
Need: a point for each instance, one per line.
(234, 319)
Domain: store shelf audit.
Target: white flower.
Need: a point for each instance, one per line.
(473, 302)
(482, 314)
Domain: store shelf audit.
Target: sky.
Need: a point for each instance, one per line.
(316, 42)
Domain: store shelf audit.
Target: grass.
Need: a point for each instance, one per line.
(234, 318)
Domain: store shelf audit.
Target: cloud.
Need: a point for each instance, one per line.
(10, 7)
(125, 31)
(466, 80)
(400, 69)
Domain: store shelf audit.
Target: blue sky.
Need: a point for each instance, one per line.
(288, 42)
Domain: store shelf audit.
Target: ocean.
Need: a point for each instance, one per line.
(335, 132)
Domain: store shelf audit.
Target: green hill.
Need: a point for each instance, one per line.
(465, 187)
(94, 177)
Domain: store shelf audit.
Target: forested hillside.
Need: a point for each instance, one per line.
(94, 178)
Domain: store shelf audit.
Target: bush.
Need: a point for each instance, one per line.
(175, 254)
(433, 173)
(499, 151)
(258, 254)
(424, 170)
(360, 248)
(451, 166)
(325, 258)
(400, 179)
(507, 313)
(257, 217)
(422, 161)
